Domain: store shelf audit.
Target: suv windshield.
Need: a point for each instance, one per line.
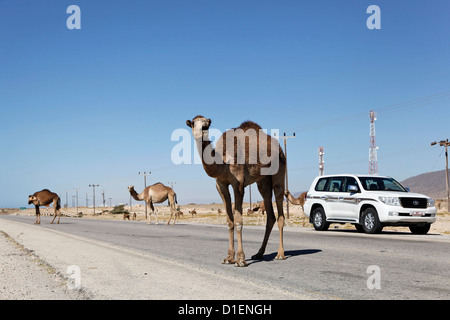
(381, 184)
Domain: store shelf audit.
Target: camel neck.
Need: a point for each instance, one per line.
(213, 168)
(136, 196)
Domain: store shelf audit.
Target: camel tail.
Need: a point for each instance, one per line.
(58, 204)
(175, 197)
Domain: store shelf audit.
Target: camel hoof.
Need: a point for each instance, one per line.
(229, 260)
(280, 257)
(241, 263)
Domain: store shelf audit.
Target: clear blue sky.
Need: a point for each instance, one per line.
(98, 105)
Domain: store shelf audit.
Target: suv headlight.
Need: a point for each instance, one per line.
(430, 202)
(391, 201)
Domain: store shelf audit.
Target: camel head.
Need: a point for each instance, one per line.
(32, 199)
(199, 125)
(130, 188)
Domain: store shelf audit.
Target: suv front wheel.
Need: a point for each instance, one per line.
(319, 220)
(370, 222)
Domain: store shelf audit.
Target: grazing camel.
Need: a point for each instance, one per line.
(127, 216)
(156, 193)
(296, 201)
(243, 156)
(259, 207)
(193, 212)
(44, 198)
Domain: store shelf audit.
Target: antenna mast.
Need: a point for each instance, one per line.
(321, 161)
(373, 161)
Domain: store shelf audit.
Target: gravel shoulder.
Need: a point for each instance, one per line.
(23, 276)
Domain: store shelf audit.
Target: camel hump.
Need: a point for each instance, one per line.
(158, 184)
(249, 125)
(45, 190)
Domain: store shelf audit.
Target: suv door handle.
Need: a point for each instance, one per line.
(324, 197)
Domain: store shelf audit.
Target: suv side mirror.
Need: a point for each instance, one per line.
(408, 190)
(353, 189)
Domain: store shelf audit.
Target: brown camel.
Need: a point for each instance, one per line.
(259, 207)
(243, 156)
(156, 193)
(44, 198)
(296, 201)
(193, 212)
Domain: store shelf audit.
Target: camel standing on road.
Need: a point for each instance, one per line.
(44, 198)
(156, 193)
(259, 160)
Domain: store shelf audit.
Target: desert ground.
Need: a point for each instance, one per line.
(208, 214)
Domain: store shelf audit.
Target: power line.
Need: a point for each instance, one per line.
(408, 104)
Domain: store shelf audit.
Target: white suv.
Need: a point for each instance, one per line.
(368, 202)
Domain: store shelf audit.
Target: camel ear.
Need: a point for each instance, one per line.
(209, 122)
(189, 123)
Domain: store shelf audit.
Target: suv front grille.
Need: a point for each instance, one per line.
(414, 203)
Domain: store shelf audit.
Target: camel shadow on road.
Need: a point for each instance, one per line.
(288, 254)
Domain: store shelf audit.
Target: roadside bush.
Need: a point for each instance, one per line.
(119, 209)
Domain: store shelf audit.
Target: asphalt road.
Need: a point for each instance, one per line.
(129, 259)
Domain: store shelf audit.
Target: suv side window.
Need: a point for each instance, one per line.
(350, 181)
(321, 184)
(336, 184)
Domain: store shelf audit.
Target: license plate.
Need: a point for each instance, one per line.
(417, 213)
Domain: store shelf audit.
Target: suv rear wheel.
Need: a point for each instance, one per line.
(319, 220)
(370, 222)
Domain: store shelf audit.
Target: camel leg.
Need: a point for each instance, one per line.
(278, 191)
(265, 188)
(172, 210)
(226, 198)
(55, 207)
(152, 211)
(238, 223)
(54, 216)
(38, 216)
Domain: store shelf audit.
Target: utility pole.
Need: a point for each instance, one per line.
(145, 186)
(284, 137)
(103, 195)
(250, 191)
(67, 201)
(76, 191)
(171, 184)
(93, 192)
(445, 143)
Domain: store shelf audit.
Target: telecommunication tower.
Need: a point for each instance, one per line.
(373, 161)
(321, 161)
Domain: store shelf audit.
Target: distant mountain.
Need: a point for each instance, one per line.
(431, 184)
